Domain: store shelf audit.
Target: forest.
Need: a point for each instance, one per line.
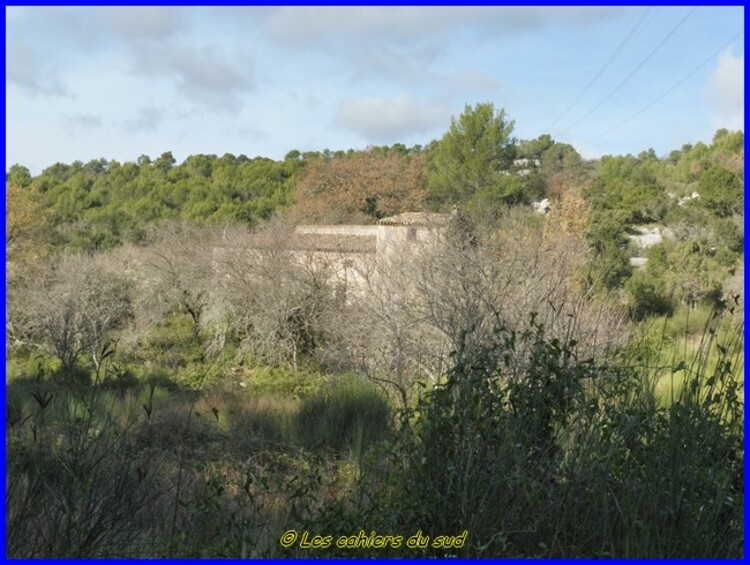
(560, 374)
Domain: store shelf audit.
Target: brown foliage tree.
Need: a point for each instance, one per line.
(361, 187)
(26, 228)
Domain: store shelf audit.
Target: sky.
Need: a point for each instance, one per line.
(86, 83)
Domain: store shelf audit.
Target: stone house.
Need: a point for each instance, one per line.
(353, 252)
(349, 255)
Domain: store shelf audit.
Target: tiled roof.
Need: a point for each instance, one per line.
(415, 219)
(342, 243)
(334, 242)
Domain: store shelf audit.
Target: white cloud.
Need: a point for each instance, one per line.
(419, 68)
(312, 25)
(473, 81)
(141, 22)
(725, 90)
(157, 40)
(83, 121)
(29, 71)
(391, 119)
(206, 76)
(247, 133)
(409, 66)
(88, 25)
(147, 119)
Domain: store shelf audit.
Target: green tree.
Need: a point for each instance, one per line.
(18, 176)
(630, 185)
(490, 201)
(647, 296)
(730, 142)
(165, 162)
(695, 276)
(472, 156)
(610, 266)
(534, 148)
(721, 191)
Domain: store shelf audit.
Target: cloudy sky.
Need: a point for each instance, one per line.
(119, 82)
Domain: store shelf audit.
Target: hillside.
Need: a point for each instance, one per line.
(508, 351)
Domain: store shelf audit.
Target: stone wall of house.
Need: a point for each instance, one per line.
(390, 233)
(338, 230)
(349, 253)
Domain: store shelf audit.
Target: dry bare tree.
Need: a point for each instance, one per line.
(276, 299)
(71, 308)
(177, 271)
(383, 333)
(420, 303)
(540, 267)
(398, 315)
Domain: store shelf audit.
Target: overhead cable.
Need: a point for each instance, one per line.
(638, 67)
(669, 90)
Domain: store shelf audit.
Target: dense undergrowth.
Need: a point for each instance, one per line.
(529, 449)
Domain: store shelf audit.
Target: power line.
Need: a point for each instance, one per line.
(604, 67)
(638, 67)
(669, 90)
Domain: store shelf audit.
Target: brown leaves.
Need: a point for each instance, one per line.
(361, 187)
(569, 213)
(25, 230)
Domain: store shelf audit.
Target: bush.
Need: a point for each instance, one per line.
(648, 296)
(260, 420)
(721, 191)
(484, 454)
(574, 458)
(261, 379)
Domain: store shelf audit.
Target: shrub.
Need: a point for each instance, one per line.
(721, 191)
(574, 458)
(647, 296)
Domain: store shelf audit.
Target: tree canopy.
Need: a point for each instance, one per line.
(472, 156)
(695, 193)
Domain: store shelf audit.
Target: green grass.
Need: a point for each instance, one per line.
(692, 342)
(687, 321)
(348, 414)
(181, 472)
(280, 380)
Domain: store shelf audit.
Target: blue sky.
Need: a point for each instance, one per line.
(119, 82)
